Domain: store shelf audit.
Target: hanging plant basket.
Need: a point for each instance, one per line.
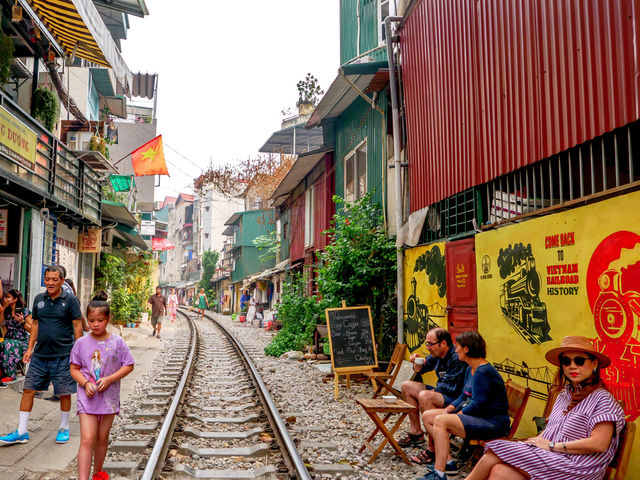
(46, 107)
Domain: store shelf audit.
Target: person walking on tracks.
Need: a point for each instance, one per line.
(98, 362)
(56, 325)
(158, 309)
(203, 302)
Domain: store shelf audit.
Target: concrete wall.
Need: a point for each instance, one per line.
(215, 209)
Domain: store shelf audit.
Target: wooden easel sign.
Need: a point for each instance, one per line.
(351, 339)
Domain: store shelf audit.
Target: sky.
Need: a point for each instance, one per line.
(225, 76)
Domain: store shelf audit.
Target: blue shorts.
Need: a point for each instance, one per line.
(478, 428)
(447, 399)
(43, 371)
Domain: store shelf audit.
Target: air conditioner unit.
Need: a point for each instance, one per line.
(79, 141)
(107, 237)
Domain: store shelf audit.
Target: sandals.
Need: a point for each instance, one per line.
(411, 439)
(425, 457)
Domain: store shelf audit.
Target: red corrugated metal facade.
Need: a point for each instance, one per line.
(493, 85)
(296, 249)
(324, 189)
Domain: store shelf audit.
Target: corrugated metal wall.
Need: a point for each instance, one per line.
(296, 249)
(493, 85)
(255, 223)
(324, 206)
(285, 242)
(356, 123)
(368, 29)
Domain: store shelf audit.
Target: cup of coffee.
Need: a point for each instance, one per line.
(418, 361)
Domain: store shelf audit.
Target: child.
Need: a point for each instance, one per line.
(98, 362)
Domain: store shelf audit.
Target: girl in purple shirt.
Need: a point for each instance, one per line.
(98, 362)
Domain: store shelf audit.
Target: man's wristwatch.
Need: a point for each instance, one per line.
(552, 445)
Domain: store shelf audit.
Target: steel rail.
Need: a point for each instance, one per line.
(161, 444)
(290, 452)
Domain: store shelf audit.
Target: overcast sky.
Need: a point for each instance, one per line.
(225, 76)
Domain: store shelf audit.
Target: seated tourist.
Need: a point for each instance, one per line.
(480, 412)
(581, 436)
(450, 372)
(15, 317)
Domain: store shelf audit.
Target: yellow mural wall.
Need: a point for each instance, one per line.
(570, 273)
(425, 299)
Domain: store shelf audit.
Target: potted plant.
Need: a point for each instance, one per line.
(46, 107)
(6, 57)
(308, 92)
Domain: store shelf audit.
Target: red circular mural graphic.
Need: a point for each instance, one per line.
(613, 291)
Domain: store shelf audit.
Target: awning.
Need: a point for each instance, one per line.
(294, 140)
(130, 236)
(122, 183)
(132, 7)
(96, 160)
(300, 169)
(117, 105)
(234, 218)
(341, 94)
(161, 244)
(229, 230)
(115, 212)
(80, 31)
(102, 81)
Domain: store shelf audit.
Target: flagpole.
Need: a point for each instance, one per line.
(121, 159)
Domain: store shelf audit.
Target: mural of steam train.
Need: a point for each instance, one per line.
(617, 313)
(521, 305)
(419, 321)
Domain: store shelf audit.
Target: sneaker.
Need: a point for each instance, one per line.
(3, 385)
(431, 475)
(7, 379)
(13, 438)
(158, 337)
(62, 436)
(451, 467)
(102, 475)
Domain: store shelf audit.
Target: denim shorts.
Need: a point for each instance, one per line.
(43, 371)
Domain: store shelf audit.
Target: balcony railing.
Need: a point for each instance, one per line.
(56, 174)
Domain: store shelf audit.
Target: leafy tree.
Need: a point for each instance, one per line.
(359, 266)
(209, 261)
(309, 90)
(270, 244)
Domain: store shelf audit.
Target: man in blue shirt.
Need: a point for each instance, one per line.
(57, 324)
(450, 371)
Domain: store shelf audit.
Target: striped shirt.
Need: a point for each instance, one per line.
(599, 406)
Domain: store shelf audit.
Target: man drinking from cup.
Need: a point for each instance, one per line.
(450, 371)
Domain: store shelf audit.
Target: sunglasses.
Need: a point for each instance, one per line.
(579, 361)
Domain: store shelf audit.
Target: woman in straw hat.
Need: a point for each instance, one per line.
(581, 436)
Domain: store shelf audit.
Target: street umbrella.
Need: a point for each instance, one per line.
(160, 244)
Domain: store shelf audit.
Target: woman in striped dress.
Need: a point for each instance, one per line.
(581, 436)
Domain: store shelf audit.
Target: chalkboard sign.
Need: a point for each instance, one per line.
(351, 338)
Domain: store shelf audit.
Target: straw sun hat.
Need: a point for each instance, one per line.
(576, 344)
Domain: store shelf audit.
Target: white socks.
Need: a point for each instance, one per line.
(64, 420)
(22, 422)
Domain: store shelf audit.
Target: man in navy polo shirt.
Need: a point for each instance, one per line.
(57, 324)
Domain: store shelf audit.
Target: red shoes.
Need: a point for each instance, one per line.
(100, 476)
(7, 380)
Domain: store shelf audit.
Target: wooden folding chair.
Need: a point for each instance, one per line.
(518, 397)
(617, 469)
(541, 422)
(383, 381)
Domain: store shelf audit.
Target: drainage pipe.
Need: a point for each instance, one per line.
(398, 173)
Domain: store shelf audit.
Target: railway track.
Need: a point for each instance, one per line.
(207, 414)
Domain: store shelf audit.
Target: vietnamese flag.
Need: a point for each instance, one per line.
(149, 159)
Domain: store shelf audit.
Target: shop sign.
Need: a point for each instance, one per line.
(4, 220)
(147, 227)
(425, 290)
(17, 141)
(89, 241)
(570, 273)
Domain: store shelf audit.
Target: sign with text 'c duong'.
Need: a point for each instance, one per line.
(351, 338)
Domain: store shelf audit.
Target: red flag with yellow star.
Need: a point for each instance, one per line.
(149, 159)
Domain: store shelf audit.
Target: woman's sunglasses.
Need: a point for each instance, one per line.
(579, 361)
